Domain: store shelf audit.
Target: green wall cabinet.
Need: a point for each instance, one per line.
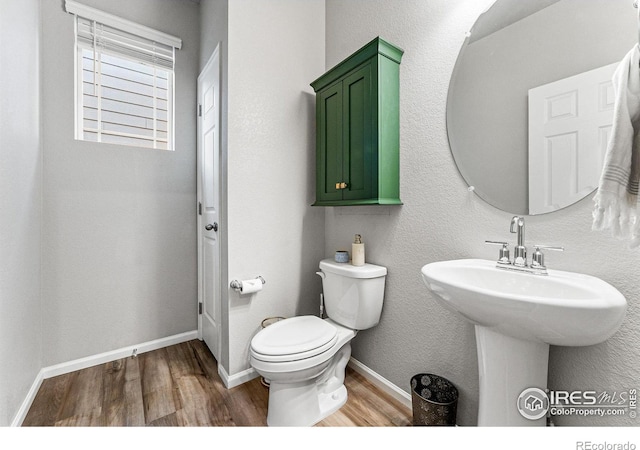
(358, 129)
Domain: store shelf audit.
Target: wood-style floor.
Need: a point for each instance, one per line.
(180, 386)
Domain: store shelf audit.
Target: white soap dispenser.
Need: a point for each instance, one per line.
(357, 251)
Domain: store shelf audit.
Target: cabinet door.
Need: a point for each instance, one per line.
(329, 159)
(358, 157)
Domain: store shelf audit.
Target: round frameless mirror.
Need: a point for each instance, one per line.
(530, 101)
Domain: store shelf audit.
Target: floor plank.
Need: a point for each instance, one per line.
(122, 398)
(179, 386)
(158, 388)
(83, 399)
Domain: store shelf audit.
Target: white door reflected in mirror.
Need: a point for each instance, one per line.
(569, 125)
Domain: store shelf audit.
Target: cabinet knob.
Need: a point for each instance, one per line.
(341, 185)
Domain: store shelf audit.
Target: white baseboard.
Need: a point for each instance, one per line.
(237, 379)
(89, 361)
(26, 404)
(381, 383)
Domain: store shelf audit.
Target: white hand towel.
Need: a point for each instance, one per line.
(616, 202)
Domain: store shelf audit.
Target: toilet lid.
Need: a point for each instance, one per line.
(303, 335)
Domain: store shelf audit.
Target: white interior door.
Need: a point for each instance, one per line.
(209, 319)
(569, 125)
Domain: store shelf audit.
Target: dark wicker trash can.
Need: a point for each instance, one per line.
(434, 400)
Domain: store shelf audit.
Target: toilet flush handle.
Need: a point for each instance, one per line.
(322, 275)
(321, 306)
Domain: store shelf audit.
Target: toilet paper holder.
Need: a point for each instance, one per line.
(237, 285)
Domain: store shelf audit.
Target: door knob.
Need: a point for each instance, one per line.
(213, 226)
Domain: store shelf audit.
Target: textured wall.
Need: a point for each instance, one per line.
(276, 49)
(441, 220)
(119, 257)
(20, 203)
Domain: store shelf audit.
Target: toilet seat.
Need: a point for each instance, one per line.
(294, 339)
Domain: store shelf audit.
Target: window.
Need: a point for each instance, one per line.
(124, 81)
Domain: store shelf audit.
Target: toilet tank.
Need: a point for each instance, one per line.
(353, 295)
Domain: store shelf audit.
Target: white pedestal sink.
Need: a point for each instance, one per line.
(517, 316)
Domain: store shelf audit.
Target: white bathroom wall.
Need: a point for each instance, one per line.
(119, 256)
(275, 49)
(20, 203)
(441, 220)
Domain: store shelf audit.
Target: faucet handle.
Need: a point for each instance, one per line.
(504, 251)
(537, 259)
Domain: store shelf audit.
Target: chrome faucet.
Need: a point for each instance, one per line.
(519, 262)
(519, 251)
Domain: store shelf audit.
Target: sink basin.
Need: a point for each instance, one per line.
(562, 308)
(517, 316)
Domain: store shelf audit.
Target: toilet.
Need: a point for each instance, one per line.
(304, 358)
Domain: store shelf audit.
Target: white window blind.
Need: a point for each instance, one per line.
(124, 82)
